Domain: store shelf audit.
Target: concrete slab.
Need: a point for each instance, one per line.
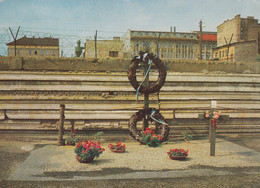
(53, 163)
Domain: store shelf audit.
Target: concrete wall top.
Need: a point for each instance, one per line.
(121, 65)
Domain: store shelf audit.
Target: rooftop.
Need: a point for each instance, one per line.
(47, 41)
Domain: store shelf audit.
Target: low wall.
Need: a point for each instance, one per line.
(121, 65)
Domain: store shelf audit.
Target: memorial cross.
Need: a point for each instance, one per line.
(212, 125)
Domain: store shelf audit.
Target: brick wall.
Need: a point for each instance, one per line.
(246, 51)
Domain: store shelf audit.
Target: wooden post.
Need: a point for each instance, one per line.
(72, 125)
(61, 141)
(212, 127)
(209, 131)
(173, 114)
(213, 130)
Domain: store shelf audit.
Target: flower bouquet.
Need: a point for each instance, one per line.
(212, 116)
(87, 151)
(151, 139)
(118, 148)
(178, 154)
(72, 138)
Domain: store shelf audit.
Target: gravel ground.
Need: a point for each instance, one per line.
(141, 157)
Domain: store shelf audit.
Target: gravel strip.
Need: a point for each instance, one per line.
(141, 157)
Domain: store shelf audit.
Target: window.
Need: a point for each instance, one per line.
(163, 34)
(135, 34)
(35, 52)
(164, 53)
(136, 48)
(47, 52)
(178, 51)
(185, 51)
(41, 52)
(30, 52)
(190, 51)
(231, 57)
(53, 52)
(191, 54)
(113, 53)
(207, 55)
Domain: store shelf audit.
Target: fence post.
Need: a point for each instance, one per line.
(61, 141)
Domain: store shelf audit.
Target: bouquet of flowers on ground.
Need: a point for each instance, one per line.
(178, 153)
(151, 139)
(89, 149)
(117, 147)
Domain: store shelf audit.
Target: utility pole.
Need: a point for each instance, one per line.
(200, 55)
(96, 45)
(14, 37)
(157, 46)
(228, 44)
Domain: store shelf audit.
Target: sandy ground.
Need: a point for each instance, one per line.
(141, 157)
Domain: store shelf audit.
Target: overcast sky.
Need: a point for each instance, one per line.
(72, 20)
(120, 15)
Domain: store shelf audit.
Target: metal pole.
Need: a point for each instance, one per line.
(14, 37)
(200, 55)
(146, 96)
(96, 45)
(61, 141)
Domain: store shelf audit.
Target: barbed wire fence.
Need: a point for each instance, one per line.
(67, 38)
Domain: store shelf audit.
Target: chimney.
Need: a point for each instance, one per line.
(250, 17)
(174, 29)
(171, 29)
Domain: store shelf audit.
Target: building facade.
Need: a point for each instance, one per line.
(27, 47)
(104, 48)
(169, 45)
(166, 45)
(238, 39)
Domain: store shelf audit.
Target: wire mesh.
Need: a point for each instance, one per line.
(67, 38)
